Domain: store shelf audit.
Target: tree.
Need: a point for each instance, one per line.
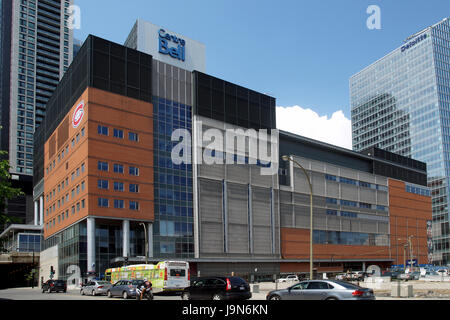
(7, 192)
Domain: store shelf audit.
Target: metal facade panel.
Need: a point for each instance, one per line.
(332, 189)
(349, 192)
(238, 173)
(368, 195)
(210, 215)
(215, 171)
(318, 184)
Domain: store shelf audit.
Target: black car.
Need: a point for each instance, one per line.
(54, 286)
(393, 274)
(217, 288)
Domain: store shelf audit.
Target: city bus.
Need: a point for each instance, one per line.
(165, 275)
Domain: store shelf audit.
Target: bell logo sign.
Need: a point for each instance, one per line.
(78, 115)
(177, 52)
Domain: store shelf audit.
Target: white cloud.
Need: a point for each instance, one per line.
(336, 130)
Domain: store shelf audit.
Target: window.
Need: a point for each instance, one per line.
(365, 184)
(133, 136)
(118, 204)
(349, 214)
(118, 186)
(330, 177)
(133, 171)
(348, 181)
(103, 203)
(134, 205)
(134, 188)
(103, 130)
(331, 201)
(317, 286)
(118, 168)
(103, 166)
(103, 184)
(365, 205)
(118, 133)
(349, 203)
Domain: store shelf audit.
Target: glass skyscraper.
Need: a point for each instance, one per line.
(401, 103)
(36, 49)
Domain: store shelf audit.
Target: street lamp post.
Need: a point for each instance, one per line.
(146, 242)
(410, 252)
(308, 178)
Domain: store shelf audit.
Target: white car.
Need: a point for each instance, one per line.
(342, 276)
(443, 272)
(288, 278)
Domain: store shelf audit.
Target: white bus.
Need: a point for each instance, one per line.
(165, 275)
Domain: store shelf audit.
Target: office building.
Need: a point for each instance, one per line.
(36, 49)
(401, 104)
(105, 170)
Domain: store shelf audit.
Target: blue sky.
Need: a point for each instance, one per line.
(301, 52)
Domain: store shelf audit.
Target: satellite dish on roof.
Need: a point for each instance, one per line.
(374, 270)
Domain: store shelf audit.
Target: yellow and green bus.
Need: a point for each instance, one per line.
(165, 275)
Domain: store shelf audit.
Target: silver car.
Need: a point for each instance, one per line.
(322, 290)
(95, 287)
(124, 288)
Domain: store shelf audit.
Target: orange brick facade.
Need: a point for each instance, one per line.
(72, 155)
(409, 214)
(408, 217)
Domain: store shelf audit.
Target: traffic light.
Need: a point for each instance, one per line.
(52, 272)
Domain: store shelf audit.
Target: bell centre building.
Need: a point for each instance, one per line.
(106, 170)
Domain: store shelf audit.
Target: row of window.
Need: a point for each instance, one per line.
(117, 168)
(65, 151)
(65, 199)
(118, 204)
(355, 204)
(118, 186)
(364, 184)
(117, 133)
(350, 238)
(75, 174)
(355, 215)
(65, 215)
(25, 126)
(418, 190)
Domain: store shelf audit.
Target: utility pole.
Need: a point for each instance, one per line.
(410, 252)
(146, 242)
(404, 255)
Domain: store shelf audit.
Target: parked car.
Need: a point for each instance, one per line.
(123, 288)
(393, 274)
(341, 276)
(443, 272)
(95, 287)
(322, 290)
(54, 286)
(432, 275)
(359, 275)
(217, 288)
(409, 276)
(288, 278)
